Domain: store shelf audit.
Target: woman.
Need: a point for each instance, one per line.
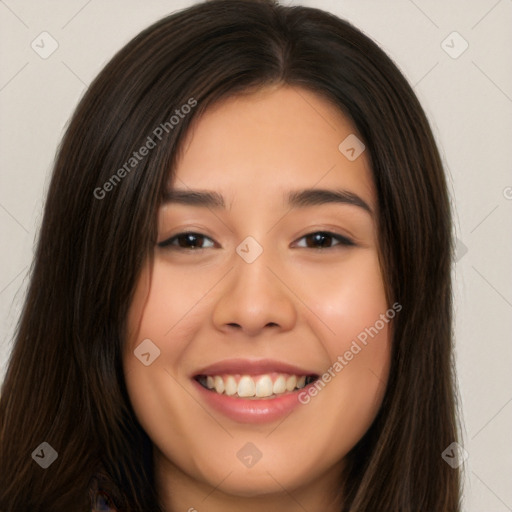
(241, 295)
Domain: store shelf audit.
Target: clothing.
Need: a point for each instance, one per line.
(99, 499)
(101, 503)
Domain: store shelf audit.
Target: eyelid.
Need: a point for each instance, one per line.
(343, 240)
(167, 242)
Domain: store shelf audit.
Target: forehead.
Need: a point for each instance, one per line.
(273, 140)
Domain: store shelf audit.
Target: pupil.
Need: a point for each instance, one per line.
(321, 239)
(191, 240)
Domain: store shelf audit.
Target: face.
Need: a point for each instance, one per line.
(264, 311)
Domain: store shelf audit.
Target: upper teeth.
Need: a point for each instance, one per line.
(260, 386)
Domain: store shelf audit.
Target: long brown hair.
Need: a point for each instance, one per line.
(64, 383)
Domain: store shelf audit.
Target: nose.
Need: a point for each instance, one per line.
(254, 297)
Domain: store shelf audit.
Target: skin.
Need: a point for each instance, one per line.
(296, 303)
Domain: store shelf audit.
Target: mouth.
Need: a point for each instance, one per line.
(264, 386)
(252, 391)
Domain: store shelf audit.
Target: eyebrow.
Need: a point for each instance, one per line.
(295, 199)
(318, 196)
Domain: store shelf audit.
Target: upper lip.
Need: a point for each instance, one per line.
(251, 367)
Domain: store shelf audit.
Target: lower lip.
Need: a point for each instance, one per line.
(243, 410)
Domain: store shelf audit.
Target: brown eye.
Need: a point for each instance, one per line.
(324, 240)
(188, 240)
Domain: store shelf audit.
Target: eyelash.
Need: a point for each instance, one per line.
(168, 244)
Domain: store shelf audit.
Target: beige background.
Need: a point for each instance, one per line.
(468, 100)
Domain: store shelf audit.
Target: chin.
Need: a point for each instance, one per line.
(244, 485)
(262, 480)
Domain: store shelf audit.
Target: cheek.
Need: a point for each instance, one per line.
(347, 298)
(355, 319)
(168, 309)
(155, 391)
(165, 307)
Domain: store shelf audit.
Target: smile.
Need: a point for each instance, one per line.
(252, 391)
(264, 386)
